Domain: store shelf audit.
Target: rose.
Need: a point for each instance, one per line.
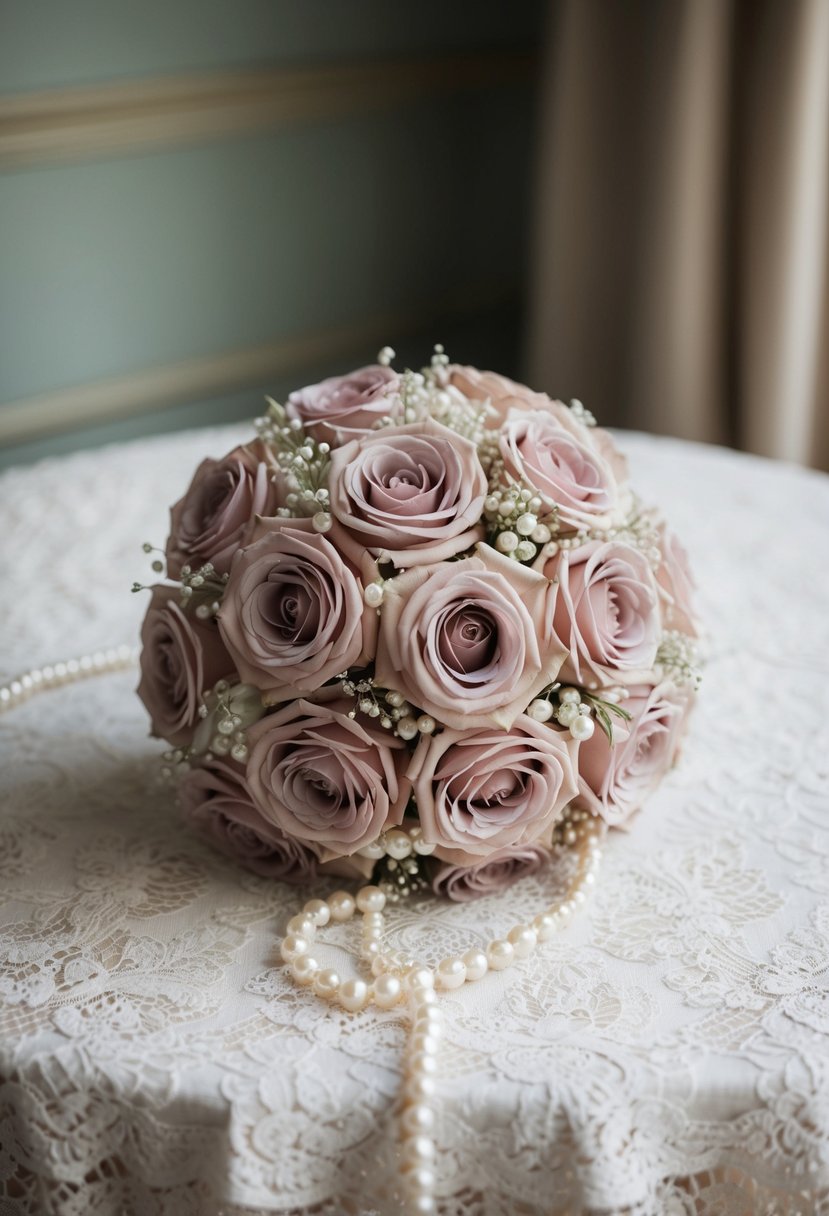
(409, 494)
(676, 585)
(293, 614)
(554, 453)
(326, 779)
(468, 641)
(490, 877)
(344, 406)
(479, 791)
(211, 521)
(181, 658)
(615, 779)
(606, 612)
(502, 393)
(217, 802)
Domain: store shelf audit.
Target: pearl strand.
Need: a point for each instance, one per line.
(54, 675)
(396, 976)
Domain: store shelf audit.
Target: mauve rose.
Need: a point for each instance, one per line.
(216, 800)
(341, 407)
(478, 791)
(181, 658)
(502, 393)
(606, 612)
(557, 455)
(409, 494)
(616, 779)
(325, 778)
(470, 641)
(212, 519)
(490, 877)
(676, 585)
(293, 614)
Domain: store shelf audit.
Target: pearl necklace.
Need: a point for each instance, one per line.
(395, 976)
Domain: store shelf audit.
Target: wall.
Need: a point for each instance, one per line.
(202, 202)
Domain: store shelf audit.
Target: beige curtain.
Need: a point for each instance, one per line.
(681, 255)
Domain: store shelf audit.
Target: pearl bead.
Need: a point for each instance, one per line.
(420, 1178)
(426, 724)
(419, 1149)
(420, 1088)
(499, 954)
(326, 983)
(353, 995)
(421, 1062)
(540, 534)
(373, 920)
(318, 911)
(371, 950)
(301, 925)
(545, 926)
(451, 973)
(420, 980)
(407, 727)
(292, 946)
(569, 696)
(567, 714)
(523, 940)
(304, 968)
(526, 523)
(506, 542)
(371, 899)
(476, 964)
(426, 996)
(418, 1119)
(322, 522)
(421, 846)
(398, 844)
(341, 905)
(422, 1205)
(374, 595)
(373, 851)
(539, 710)
(582, 727)
(387, 991)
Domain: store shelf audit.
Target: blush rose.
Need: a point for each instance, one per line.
(211, 521)
(471, 641)
(500, 870)
(615, 779)
(293, 614)
(181, 658)
(409, 494)
(478, 791)
(341, 407)
(326, 779)
(606, 611)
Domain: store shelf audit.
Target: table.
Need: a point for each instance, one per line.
(669, 1053)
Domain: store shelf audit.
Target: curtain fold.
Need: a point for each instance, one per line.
(680, 272)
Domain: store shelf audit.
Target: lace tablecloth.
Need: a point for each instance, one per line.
(667, 1054)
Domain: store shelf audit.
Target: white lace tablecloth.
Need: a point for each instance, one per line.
(667, 1054)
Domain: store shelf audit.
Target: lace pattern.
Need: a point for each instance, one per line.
(668, 1054)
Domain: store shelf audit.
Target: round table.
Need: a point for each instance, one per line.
(668, 1053)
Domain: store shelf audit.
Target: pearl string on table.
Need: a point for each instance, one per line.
(54, 675)
(397, 977)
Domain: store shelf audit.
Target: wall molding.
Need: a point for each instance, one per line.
(65, 125)
(231, 371)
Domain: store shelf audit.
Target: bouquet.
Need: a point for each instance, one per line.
(411, 628)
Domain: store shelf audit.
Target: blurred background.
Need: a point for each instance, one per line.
(621, 200)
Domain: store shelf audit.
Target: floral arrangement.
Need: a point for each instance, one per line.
(410, 628)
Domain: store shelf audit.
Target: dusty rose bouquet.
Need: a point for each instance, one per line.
(410, 626)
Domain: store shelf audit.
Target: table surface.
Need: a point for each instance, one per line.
(668, 1053)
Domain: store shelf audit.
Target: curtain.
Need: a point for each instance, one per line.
(680, 268)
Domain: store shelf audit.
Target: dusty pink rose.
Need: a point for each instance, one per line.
(470, 641)
(293, 614)
(478, 791)
(616, 779)
(606, 612)
(327, 779)
(181, 658)
(490, 877)
(502, 393)
(211, 521)
(557, 455)
(341, 407)
(676, 585)
(217, 802)
(409, 494)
